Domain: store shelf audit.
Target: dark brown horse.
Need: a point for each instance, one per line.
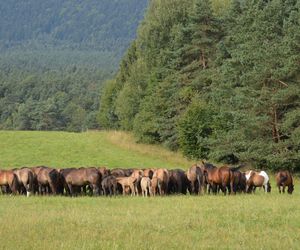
(109, 185)
(8, 179)
(82, 177)
(25, 180)
(239, 182)
(178, 182)
(284, 179)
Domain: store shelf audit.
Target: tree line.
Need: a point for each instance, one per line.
(215, 82)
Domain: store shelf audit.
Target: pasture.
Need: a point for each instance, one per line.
(256, 221)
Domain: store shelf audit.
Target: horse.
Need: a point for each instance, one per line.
(195, 177)
(257, 179)
(178, 181)
(49, 181)
(283, 179)
(80, 178)
(146, 186)
(239, 182)
(220, 177)
(160, 181)
(9, 179)
(127, 182)
(137, 174)
(25, 180)
(109, 185)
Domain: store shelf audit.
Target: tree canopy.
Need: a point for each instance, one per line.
(218, 83)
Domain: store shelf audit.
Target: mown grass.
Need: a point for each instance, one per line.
(259, 221)
(62, 149)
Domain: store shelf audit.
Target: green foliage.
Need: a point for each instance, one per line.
(194, 129)
(64, 99)
(218, 84)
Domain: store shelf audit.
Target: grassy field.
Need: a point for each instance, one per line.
(61, 149)
(259, 221)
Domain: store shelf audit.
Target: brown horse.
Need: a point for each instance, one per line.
(160, 181)
(25, 180)
(284, 179)
(9, 179)
(49, 180)
(220, 177)
(80, 178)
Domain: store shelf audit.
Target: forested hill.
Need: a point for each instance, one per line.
(217, 80)
(55, 55)
(106, 25)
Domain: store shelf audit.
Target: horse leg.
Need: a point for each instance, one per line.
(223, 187)
(132, 190)
(192, 187)
(71, 189)
(283, 188)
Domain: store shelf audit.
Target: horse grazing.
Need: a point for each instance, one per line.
(195, 178)
(178, 182)
(257, 179)
(284, 179)
(75, 179)
(146, 186)
(137, 174)
(109, 185)
(220, 178)
(8, 179)
(160, 181)
(126, 182)
(49, 181)
(25, 180)
(239, 181)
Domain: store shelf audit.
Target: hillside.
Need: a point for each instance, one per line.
(55, 58)
(63, 149)
(104, 26)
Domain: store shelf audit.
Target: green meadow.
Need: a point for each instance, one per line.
(63, 149)
(259, 221)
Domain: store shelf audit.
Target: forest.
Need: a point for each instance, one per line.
(216, 80)
(55, 56)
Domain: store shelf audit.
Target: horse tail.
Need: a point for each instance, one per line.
(30, 181)
(231, 178)
(15, 184)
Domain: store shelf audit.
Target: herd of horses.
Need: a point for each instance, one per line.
(198, 179)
